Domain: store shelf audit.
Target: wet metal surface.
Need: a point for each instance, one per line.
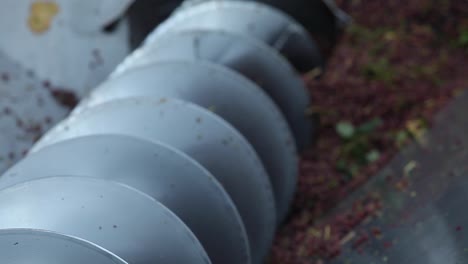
(231, 96)
(19, 246)
(27, 109)
(53, 40)
(321, 18)
(205, 137)
(114, 198)
(167, 175)
(249, 18)
(243, 54)
(424, 196)
(126, 222)
(49, 58)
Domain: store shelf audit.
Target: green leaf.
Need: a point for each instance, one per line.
(379, 70)
(401, 138)
(463, 38)
(370, 126)
(341, 165)
(354, 169)
(348, 169)
(345, 129)
(373, 156)
(333, 183)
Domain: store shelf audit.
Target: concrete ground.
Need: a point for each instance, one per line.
(423, 193)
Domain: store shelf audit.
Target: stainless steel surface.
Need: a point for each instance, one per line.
(250, 18)
(145, 15)
(26, 108)
(342, 18)
(165, 174)
(91, 17)
(203, 136)
(120, 219)
(247, 56)
(42, 53)
(107, 186)
(44, 37)
(20, 246)
(321, 18)
(231, 96)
